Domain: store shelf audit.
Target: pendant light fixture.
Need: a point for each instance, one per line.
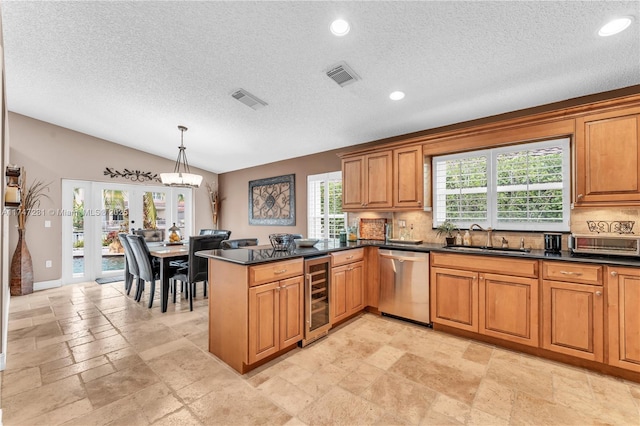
(181, 176)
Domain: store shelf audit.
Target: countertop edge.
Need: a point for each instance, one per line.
(249, 257)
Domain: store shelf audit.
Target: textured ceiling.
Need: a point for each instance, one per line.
(131, 71)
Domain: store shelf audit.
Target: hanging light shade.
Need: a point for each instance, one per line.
(181, 175)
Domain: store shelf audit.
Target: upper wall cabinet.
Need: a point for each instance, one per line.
(367, 181)
(608, 158)
(408, 180)
(383, 180)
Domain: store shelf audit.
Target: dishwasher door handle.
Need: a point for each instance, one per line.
(404, 258)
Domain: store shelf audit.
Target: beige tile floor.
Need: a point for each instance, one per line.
(89, 355)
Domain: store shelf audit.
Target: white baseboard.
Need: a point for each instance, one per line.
(43, 285)
(3, 363)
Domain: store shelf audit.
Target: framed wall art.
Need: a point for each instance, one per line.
(272, 201)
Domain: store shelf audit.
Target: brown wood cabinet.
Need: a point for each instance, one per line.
(623, 296)
(367, 181)
(607, 167)
(275, 317)
(384, 180)
(408, 177)
(454, 298)
(508, 307)
(467, 293)
(249, 319)
(573, 309)
(347, 284)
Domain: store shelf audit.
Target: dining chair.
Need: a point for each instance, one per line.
(242, 242)
(146, 271)
(215, 232)
(197, 268)
(130, 265)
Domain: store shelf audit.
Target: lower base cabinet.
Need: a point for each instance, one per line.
(508, 308)
(347, 291)
(454, 298)
(275, 317)
(347, 284)
(467, 294)
(623, 286)
(255, 311)
(572, 318)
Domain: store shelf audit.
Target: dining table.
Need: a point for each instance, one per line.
(167, 253)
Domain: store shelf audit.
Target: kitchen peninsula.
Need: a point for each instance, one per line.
(256, 302)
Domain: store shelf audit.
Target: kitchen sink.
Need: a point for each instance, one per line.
(484, 249)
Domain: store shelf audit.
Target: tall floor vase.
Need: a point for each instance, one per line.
(21, 273)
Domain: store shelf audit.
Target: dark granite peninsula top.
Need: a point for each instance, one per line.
(264, 254)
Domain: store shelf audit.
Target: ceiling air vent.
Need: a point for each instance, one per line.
(248, 99)
(342, 74)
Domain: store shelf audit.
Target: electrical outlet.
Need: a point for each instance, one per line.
(48, 264)
(47, 224)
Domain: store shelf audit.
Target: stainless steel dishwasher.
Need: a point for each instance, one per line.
(404, 284)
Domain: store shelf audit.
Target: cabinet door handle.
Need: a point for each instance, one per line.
(281, 271)
(577, 274)
(598, 293)
(614, 274)
(349, 257)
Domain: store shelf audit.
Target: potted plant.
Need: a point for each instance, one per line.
(447, 228)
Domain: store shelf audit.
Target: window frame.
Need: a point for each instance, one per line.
(324, 179)
(492, 190)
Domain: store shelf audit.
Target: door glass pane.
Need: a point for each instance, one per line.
(180, 217)
(115, 219)
(77, 239)
(154, 212)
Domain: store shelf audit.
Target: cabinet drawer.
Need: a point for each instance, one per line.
(492, 264)
(572, 272)
(261, 274)
(347, 256)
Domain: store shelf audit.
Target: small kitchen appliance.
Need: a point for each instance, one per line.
(552, 242)
(615, 245)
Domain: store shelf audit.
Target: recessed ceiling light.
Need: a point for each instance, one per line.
(615, 26)
(396, 96)
(339, 27)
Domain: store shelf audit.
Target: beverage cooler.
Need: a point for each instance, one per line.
(317, 298)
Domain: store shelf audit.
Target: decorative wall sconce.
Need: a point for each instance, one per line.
(12, 196)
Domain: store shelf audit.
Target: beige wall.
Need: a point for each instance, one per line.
(234, 188)
(53, 153)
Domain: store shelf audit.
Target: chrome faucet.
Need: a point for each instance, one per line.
(488, 231)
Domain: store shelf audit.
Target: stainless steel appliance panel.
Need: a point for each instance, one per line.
(404, 284)
(620, 245)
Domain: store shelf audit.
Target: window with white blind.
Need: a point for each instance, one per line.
(325, 218)
(520, 187)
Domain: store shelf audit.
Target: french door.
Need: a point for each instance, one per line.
(98, 211)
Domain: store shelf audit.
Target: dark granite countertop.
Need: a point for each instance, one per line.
(258, 255)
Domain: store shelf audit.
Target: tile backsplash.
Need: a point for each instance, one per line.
(422, 226)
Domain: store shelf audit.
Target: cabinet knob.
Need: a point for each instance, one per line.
(281, 271)
(580, 196)
(419, 203)
(614, 274)
(598, 293)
